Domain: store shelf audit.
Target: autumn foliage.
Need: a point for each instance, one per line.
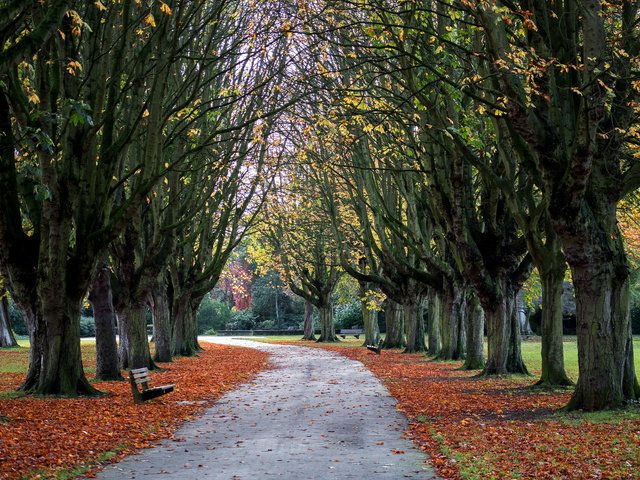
(501, 428)
(40, 436)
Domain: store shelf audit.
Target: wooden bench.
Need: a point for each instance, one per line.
(140, 376)
(356, 332)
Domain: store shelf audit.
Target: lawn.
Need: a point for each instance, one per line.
(64, 437)
(530, 351)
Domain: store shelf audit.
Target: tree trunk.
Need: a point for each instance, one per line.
(394, 320)
(327, 327)
(452, 319)
(515, 363)
(59, 369)
(523, 316)
(35, 360)
(605, 351)
(309, 333)
(475, 335)
(371, 329)
(553, 373)
(107, 367)
(184, 336)
(161, 322)
(7, 339)
(504, 350)
(434, 319)
(369, 318)
(414, 327)
(135, 328)
(123, 340)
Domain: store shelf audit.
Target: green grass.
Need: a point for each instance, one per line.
(531, 355)
(531, 351)
(604, 417)
(77, 471)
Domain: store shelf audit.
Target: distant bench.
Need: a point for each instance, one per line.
(356, 332)
(140, 376)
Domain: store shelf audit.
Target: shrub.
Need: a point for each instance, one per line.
(348, 315)
(212, 315)
(242, 320)
(87, 327)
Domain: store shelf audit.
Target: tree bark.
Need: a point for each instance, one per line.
(327, 327)
(58, 346)
(7, 339)
(414, 327)
(309, 333)
(161, 322)
(107, 367)
(394, 319)
(553, 372)
(452, 320)
(184, 336)
(369, 318)
(515, 363)
(504, 354)
(475, 335)
(135, 328)
(605, 350)
(434, 319)
(123, 340)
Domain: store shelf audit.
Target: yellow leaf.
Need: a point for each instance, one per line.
(100, 6)
(164, 8)
(150, 20)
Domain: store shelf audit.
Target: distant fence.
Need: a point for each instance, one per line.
(256, 333)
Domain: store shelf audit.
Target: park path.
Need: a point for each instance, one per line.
(316, 415)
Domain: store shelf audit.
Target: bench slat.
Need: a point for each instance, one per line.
(140, 376)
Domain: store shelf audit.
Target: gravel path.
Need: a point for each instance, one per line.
(316, 415)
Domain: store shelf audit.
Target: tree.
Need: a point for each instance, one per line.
(569, 112)
(65, 131)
